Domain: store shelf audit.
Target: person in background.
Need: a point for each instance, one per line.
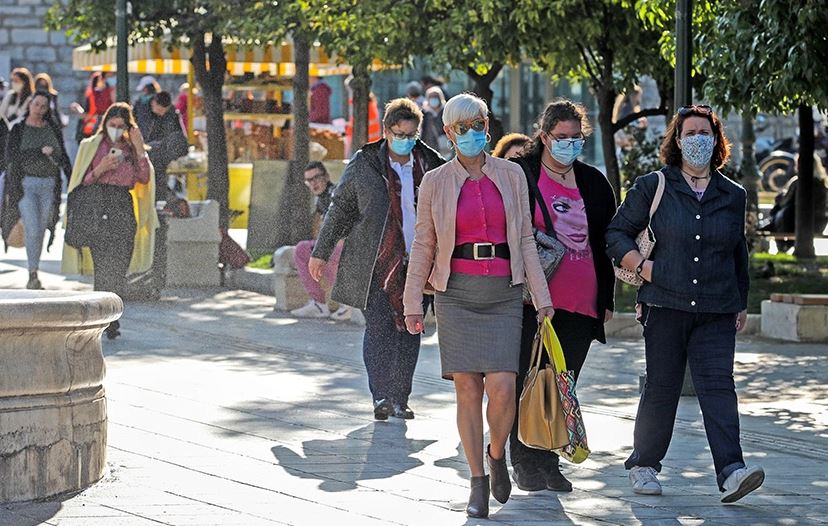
(147, 88)
(36, 158)
(693, 300)
(115, 158)
(473, 244)
(374, 210)
(577, 202)
(414, 91)
(433, 133)
(166, 140)
(16, 102)
(320, 102)
(320, 185)
(511, 145)
(98, 96)
(181, 105)
(43, 82)
(374, 122)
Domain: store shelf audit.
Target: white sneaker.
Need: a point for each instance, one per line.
(645, 481)
(343, 313)
(741, 482)
(312, 310)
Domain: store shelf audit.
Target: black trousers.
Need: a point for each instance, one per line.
(706, 341)
(390, 355)
(575, 334)
(112, 251)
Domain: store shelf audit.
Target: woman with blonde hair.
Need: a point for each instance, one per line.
(473, 244)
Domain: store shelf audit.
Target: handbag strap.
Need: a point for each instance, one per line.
(547, 219)
(658, 195)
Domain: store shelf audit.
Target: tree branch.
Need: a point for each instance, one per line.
(199, 57)
(589, 65)
(632, 117)
(218, 60)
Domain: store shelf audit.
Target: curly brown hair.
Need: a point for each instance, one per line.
(670, 151)
(507, 142)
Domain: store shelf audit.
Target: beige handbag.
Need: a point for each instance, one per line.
(17, 236)
(541, 418)
(646, 239)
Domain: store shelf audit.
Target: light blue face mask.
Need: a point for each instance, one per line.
(697, 150)
(402, 146)
(566, 151)
(111, 81)
(471, 143)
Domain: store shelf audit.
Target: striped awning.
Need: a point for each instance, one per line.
(157, 57)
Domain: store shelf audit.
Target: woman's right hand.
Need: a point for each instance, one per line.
(414, 323)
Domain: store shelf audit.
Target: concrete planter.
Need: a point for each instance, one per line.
(52, 403)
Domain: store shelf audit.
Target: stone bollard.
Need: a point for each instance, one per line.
(287, 287)
(52, 400)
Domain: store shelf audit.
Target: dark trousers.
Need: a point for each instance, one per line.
(112, 251)
(707, 342)
(390, 355)
(575, 334)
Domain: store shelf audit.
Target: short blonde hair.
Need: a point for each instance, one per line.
(464, 107)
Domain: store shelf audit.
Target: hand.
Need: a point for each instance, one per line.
(647, 271)
(315, 267)
(741, 321)
(109, 162)
(607, 316)
(47, 151)
(137, 141)
(545, 312)
(76, 108)
(414, 323)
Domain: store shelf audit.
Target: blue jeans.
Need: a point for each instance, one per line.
(36, 211)
(390, 355)
(708, 343)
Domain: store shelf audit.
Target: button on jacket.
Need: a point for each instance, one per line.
(700, 260)
(434, 239)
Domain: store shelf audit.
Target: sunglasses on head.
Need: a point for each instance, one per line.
(699, 109)
(461, 128)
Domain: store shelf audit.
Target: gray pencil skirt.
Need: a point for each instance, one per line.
(479, 320)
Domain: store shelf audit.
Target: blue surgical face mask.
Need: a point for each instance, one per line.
(697, 150)
(471, 143)
(565, 151)
(111, 81)
(402, 146)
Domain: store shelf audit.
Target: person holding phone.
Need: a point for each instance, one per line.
(115, 158)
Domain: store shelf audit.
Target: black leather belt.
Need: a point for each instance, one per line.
(481, 251)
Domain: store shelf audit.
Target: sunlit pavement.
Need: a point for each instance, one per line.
(222, 412)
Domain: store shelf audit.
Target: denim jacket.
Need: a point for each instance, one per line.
(700, 260)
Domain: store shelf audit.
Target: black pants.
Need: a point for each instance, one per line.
(390, 355)
(708, 342)
(112, 251)
(575, 334)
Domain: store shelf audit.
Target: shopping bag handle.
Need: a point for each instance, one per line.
(552, 345)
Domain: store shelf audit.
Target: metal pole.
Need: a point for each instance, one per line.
(683, 94)
(121, 52)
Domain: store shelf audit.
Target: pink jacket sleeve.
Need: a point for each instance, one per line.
(535, 277)
(423, 249)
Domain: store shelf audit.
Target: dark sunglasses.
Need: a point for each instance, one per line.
(698, 109)
(461, 128)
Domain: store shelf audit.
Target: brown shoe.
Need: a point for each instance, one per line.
(501, 485)
(479, 498)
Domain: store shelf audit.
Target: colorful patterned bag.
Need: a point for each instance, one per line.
(577, 450)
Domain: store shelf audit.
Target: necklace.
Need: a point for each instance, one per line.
(695, 178)
(562, 174)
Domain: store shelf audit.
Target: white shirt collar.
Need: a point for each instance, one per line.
(408, 163)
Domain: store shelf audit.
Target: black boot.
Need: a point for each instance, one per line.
(479, 498)
(501, 485)
(555, 481)
(528, 477)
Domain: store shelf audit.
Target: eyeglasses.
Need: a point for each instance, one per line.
(569, 142)
(700, 109)
(309, 180)
(461, 128)
(405, 136)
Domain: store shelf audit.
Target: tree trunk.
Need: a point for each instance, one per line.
(804, 247)
(605, 96)
(361, 86)
(294, 222)
(211, 81)
(749, 174)
(483, 89)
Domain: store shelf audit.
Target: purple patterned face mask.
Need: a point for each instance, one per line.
(697, 150)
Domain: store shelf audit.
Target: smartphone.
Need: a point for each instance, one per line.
(117, 152)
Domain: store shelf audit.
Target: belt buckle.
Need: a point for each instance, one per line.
(476, 254)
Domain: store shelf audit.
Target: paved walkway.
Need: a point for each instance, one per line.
(222, 412)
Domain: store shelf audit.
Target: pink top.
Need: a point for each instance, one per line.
(574, 285)
(481, 218)
(125, 174)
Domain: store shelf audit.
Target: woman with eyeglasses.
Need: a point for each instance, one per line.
(576, 202)
(473, 244)
(693, 300)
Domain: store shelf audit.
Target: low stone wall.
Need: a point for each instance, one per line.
(52, 400)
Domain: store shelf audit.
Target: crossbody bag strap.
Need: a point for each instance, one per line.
(547, 219)
(658, 195)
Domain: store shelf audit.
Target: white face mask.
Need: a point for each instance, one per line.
(114, 133)
(17, 87)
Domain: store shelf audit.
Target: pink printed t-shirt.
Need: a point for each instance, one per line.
(481, 218)
(574, 285)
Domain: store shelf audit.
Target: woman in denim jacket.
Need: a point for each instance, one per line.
(693, 300)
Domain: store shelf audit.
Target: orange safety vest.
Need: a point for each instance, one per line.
(374, 124)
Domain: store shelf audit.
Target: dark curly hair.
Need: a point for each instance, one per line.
(507, 142)
(559, 110)
(670, 151)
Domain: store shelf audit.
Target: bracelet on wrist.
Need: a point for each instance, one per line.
(640, 268)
